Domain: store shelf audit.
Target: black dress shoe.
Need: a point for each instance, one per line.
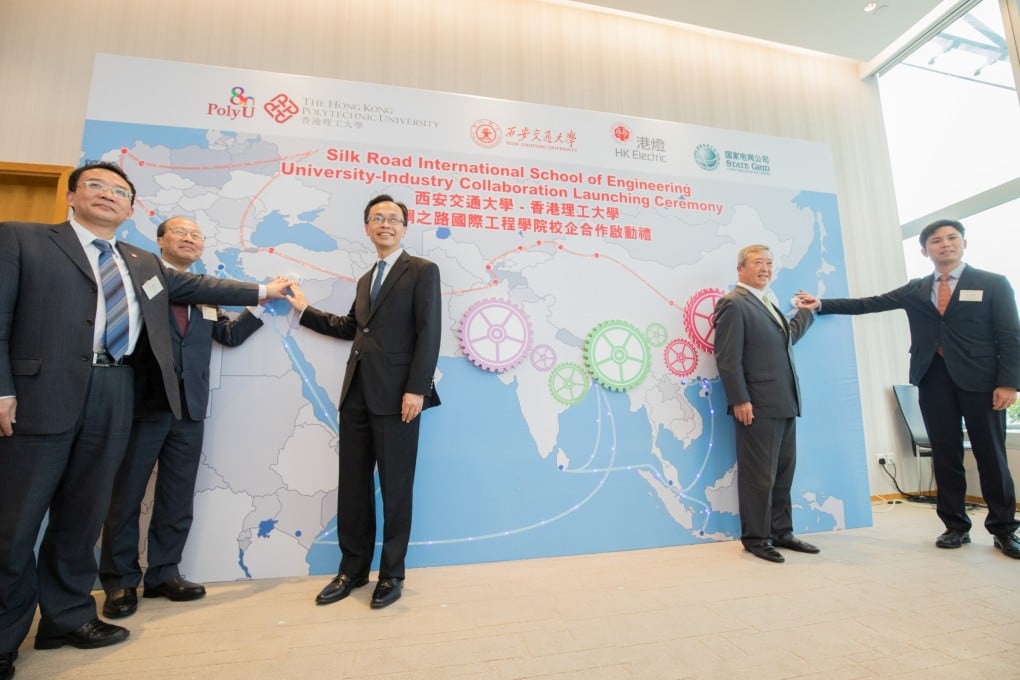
(386, 592)
(791, 542)
(765, 551)
(120, 602)
(93, 634)
(1008, 544)
(7, 665)
(952, 538)
(176, 589)
(339, 588)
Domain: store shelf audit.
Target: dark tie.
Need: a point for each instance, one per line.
(942, 301)
(380, 267)
(181, 315)
(116, 301)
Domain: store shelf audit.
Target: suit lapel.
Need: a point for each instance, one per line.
(398, 270)
(67, 240)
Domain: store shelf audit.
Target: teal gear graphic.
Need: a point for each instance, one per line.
(656, 334)
(568, 383)
(617, 355)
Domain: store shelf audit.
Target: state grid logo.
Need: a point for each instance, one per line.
(281, 108)
(706, 156)
(486, 133)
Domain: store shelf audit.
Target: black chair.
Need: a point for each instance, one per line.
(910, 409)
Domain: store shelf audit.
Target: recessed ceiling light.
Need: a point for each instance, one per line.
(871, 7)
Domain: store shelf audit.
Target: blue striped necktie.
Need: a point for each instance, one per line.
(116, 301)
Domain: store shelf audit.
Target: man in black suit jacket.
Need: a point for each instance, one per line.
(754, 354)
(395, 325)
(965, 361)
(176, 443)
(66, 398)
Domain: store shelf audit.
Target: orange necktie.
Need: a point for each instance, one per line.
(942, 301)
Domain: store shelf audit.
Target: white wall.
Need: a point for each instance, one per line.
(511, 49)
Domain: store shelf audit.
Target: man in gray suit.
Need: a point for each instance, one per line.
(754, 353)
(175, 443)
(75, 305)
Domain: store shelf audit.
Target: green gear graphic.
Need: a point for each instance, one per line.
(656, 334)
(617, 355)
(568, 383)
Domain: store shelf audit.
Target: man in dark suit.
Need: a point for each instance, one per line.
(395, 325)
(965, 361)
(176, 443)
(74, 306)
(754, 354)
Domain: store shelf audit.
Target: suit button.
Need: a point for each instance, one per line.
(89, 322)
(86, 356)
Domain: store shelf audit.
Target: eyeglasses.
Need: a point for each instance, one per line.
(186, 233)
(102, 188)
(393, 220)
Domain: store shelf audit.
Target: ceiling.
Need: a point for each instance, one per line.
(837, 27)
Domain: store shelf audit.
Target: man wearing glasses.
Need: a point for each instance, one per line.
(176, 443)
(76, 305)
(395, 325)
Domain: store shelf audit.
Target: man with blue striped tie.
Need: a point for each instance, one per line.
(75, 306)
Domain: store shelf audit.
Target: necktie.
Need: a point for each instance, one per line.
(942, 301)
(380, 267)
(776, 314)
(116, 338)
(181, 315)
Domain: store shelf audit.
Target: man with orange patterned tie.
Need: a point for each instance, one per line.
(965, 361)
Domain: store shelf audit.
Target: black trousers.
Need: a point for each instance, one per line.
(70, 476)
(177, 446)
(943, 406)
(367, 441)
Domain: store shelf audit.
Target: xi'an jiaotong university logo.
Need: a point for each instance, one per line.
(281, 108)
(486, 133)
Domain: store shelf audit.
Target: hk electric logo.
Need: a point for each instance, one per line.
(621, 133)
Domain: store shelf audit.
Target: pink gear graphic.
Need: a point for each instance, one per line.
(495, 334)
(681, 357)
(543, 358)
(698, 317)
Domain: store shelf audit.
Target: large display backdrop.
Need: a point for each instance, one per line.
(581, 254)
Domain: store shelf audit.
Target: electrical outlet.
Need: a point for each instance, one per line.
(883, 458)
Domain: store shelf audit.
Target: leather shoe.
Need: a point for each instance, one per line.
(7, 665)
(93, 634)
(387, 591)
(120, 602)
(339, 588)
(952, 538)
(176, 589)
(765, 551)
(791, 542)
(1008, 544)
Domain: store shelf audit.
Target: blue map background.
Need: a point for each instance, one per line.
(485, 489)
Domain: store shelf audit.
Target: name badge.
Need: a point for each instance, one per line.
(971, 295)
(208, 313)
(152, 287)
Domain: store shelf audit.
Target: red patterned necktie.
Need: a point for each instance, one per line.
(942, 301)
(181, 315)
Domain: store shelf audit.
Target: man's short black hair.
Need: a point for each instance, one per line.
(383, 198)
(935, 226)
(72, 181)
